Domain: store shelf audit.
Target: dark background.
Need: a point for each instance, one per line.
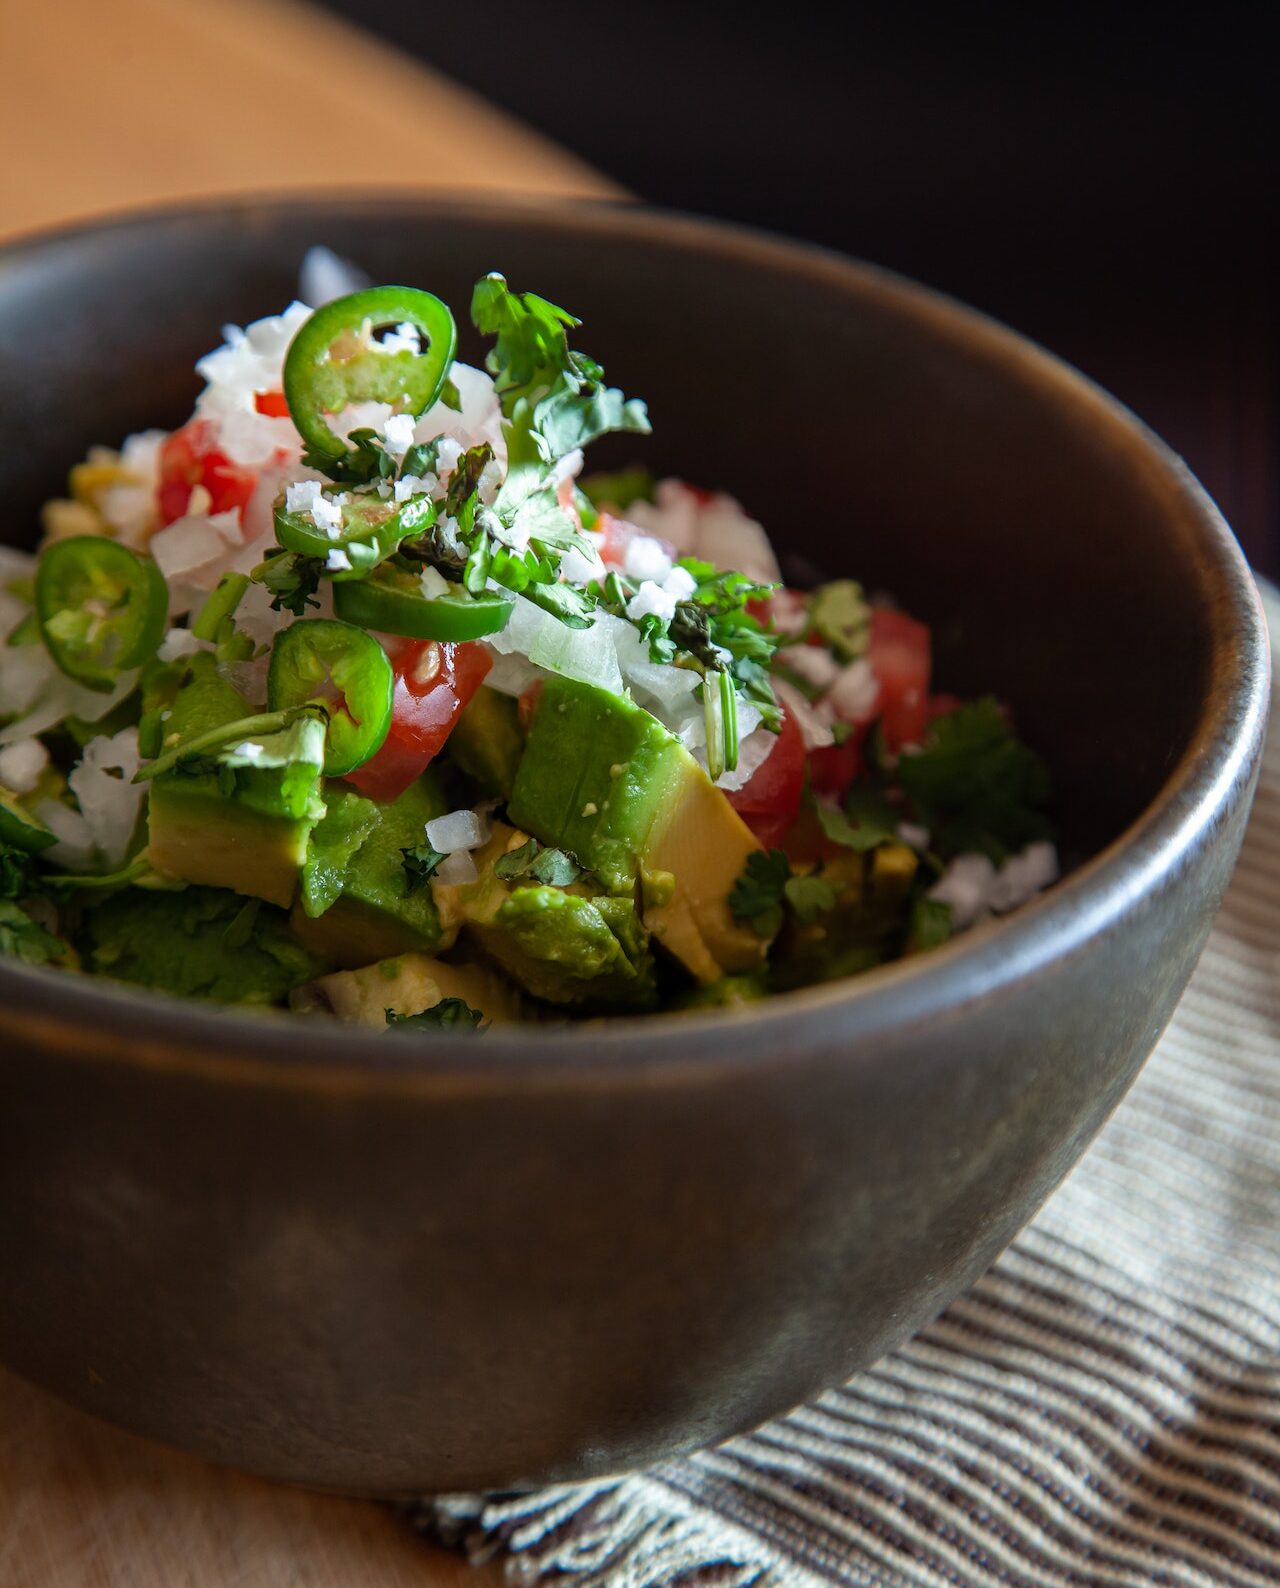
(1101, 178)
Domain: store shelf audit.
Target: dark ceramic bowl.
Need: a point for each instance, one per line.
(348, 1262)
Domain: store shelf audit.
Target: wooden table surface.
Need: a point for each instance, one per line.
(107, 104)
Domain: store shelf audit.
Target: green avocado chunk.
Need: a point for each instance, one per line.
(487, 743)
(595, 775)
(198, 943)
(358, 902)
(571, 950)
(604, 780)
(239, 819)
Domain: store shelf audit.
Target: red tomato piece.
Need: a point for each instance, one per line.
(900, 653)
(433, 682)
(943, 706)
(272, 403)
(833, 767)
(770, 798)
(189, 458)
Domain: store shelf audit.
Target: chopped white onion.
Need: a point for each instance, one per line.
(814, 727)
(21, 764)
(461, 829)
(74, 848)
(813, 663)
(178, 643)
(645, 558)
(108, 799)
(457, 869)
(965, 886)
(855, 692)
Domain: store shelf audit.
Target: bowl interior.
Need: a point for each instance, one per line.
(875, 430)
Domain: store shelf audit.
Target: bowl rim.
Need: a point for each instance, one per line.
(97, 1020)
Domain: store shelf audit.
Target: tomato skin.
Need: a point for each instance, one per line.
(769, 800)
(189, 458)
(833, 767)
(900, 653)
(433, 682)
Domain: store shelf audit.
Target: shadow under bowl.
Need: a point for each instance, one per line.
(553, 1254)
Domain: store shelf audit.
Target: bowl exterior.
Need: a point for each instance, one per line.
(508, 1263)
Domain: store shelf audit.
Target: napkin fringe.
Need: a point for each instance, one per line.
(635, 1531)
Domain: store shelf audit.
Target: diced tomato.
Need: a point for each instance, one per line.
(900, 653)
(770, 798)
(272, 403)
(943, 706)
(833, 767)
(189, 458)
(433, 682)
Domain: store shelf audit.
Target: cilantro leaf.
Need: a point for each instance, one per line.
(292, 580)
(868, 819)
(419, 865)
(809, 896)
(758, 893)
(552, 867)
(26, 939)
(565, 401)
(975, 785)
(929, 925)
(18, 876)
(450, 1014)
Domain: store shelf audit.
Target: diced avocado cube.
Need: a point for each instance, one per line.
(603, 779)
(198, 943)
(564, 945)
(239, 819)
(244, 823)
(487, 742)
(359, 902)
(408, 985)
(572, 950)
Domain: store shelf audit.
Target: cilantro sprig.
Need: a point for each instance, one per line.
(450, 1014)
(975, 785)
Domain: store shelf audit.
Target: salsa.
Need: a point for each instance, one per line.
(359, 694)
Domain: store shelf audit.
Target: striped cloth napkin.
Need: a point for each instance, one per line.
(1103, 1408)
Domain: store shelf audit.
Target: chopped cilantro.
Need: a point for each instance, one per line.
(450, 1014)
(929, 924)
(809, 896)
(543, 385)
(292, 580)
(868, 819)
(758, 893)
(552, 867)
(18, 874)
(420, 864)
(975, 785)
